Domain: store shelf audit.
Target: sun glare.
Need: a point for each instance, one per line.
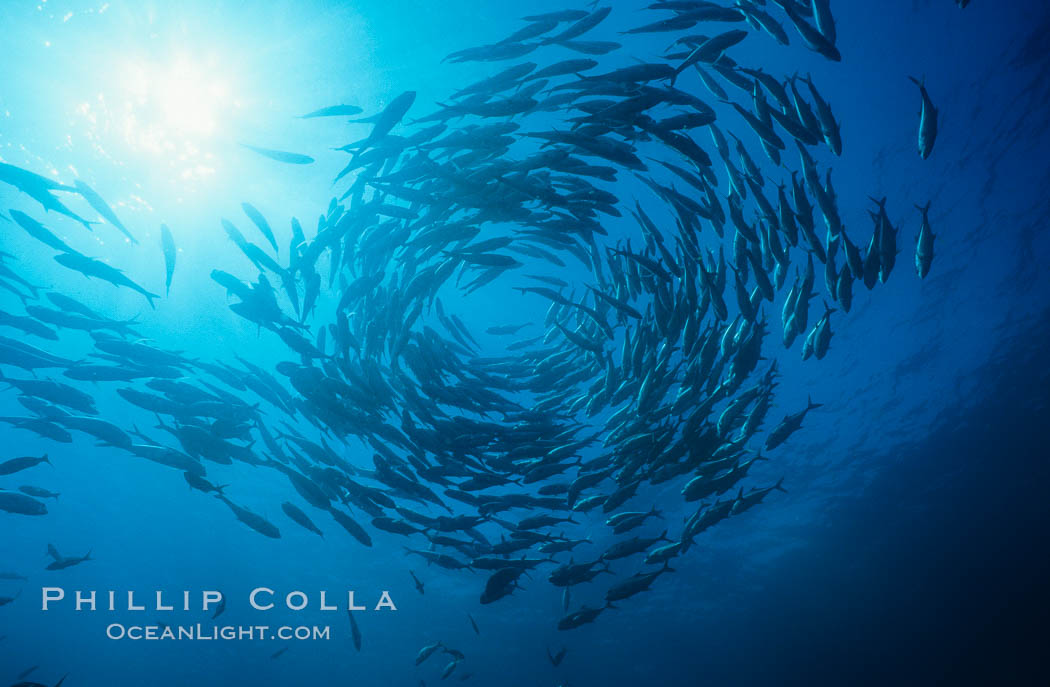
(172, 108)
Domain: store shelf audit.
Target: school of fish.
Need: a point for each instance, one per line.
(384, 415)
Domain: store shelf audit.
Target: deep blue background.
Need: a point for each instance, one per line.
(912, 545)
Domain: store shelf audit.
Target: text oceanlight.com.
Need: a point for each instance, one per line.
(201, 632)
(260, 599)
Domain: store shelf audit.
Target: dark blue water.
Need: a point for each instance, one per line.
(910, 546)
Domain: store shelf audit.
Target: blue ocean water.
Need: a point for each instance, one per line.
(910, 544)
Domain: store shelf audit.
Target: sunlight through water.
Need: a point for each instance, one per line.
(176, 110)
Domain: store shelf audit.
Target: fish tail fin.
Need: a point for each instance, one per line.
(47, 460)
(917, 82)
(779, 486)
(810, 405)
